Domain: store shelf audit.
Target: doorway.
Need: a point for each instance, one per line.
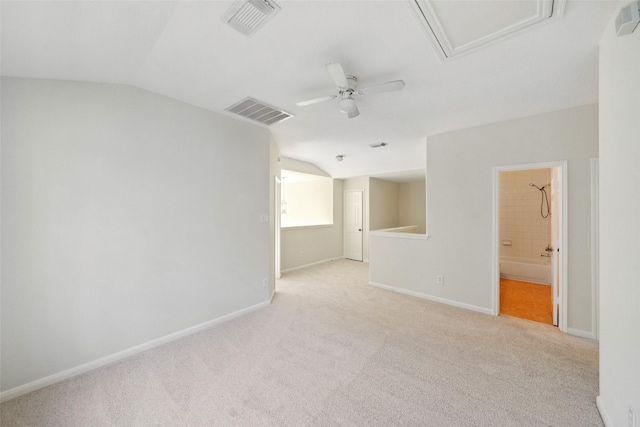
(353, 218)
(530, 242)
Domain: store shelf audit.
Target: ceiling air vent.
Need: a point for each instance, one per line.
(378, 145)
(247, 16)
(258, 111)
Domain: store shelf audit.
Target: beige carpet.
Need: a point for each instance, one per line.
(332, 351)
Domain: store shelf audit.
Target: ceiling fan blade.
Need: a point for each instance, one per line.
(316, 101)
(353, 113)
(337, 74)
(382, 87)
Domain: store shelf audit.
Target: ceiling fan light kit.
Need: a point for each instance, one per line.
(348, 89)
(347, 105)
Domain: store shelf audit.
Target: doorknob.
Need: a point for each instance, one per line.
(359, 229)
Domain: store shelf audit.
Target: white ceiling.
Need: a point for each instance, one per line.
(183, 50)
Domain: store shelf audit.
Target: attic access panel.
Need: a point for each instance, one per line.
(456, 27)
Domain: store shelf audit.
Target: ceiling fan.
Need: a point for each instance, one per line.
(348, 88)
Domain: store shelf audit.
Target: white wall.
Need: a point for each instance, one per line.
(619, 226)
(460, 210)
(309, 245)
(309, 202)
(383, 204)
(361, 183)
(412, 204)
(126, 216)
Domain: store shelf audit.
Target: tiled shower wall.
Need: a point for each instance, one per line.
(520, 219)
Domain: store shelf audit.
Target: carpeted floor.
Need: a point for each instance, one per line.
(332, 351)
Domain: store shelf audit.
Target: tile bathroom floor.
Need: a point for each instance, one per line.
(526, 300)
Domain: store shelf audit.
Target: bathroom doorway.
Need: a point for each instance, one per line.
(530, 235)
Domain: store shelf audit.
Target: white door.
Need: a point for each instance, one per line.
(556, 232)
(353, 224)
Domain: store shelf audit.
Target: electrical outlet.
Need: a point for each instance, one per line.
(265, 283)
(440, 280)
(632, 418)
(264, 218)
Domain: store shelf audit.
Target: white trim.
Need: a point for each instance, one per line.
(581, 333)
(562, 164)
(595, 248)
(300, 267)
(564, 245)
(562, 321)
(103, 361)
(277, 236)
(273, 294)
(603, 412)
(304, 227)
(433, 298)
(380, 233)
(445, 52)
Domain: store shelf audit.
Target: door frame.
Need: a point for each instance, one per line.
(561, 166)
(276, 225)
(595, 247)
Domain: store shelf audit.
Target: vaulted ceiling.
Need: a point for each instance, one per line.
(183, 50)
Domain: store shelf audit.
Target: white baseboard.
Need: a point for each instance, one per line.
(434, 298)
(603, 412)
(581, 333)
(103, 361)
(300, 267)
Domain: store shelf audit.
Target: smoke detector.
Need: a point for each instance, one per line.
(340, 157)
(248, 16)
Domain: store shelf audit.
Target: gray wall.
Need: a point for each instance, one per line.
(619, 227)
(460, 210)
(126, 216)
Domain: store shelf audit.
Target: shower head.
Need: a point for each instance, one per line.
(531, 184)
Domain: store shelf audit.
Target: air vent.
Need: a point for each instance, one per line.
(247, 16)
(378, 145)
(628, 19)
(258, 111)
